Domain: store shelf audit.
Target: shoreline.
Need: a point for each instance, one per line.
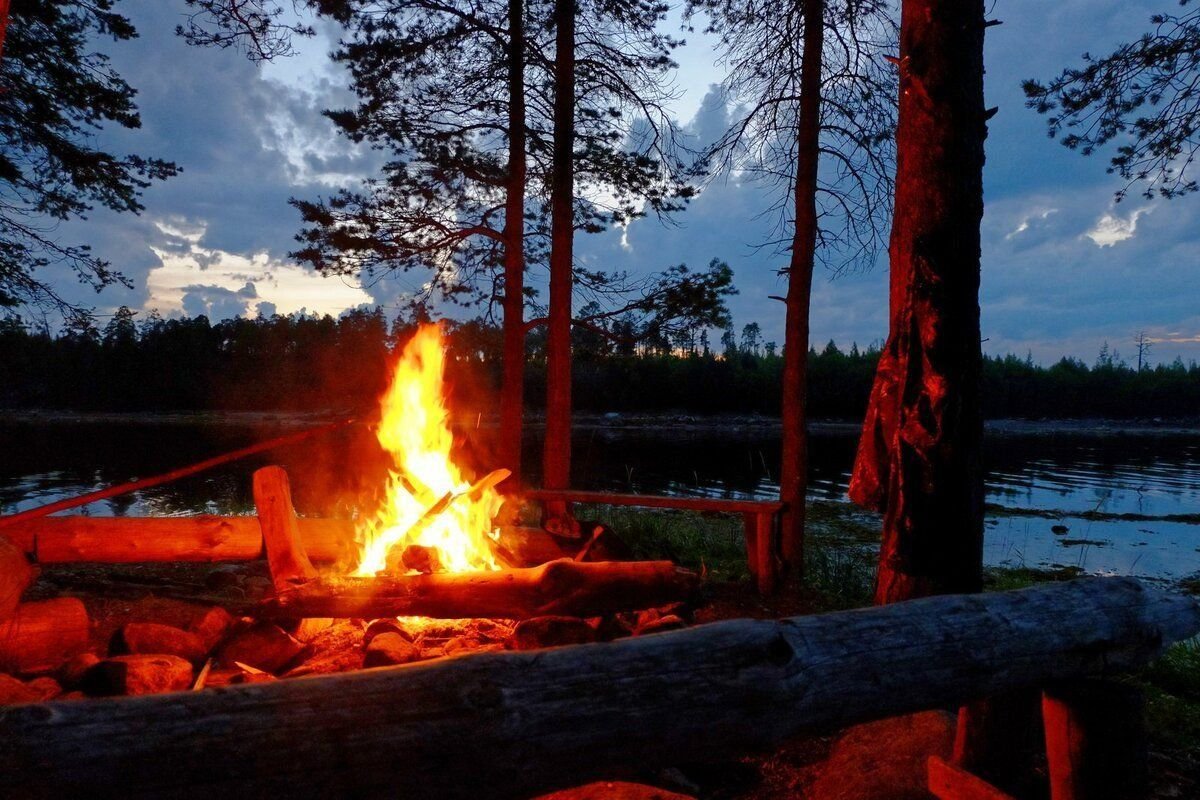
(616, 422)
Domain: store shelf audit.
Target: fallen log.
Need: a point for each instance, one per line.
(207, 538)
(43, 634)
(562, 587)
(15, 577)
(513, 724)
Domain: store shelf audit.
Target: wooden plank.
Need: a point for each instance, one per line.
(280, 528)
(512, 724)
(750, 534)
(950, 782)
(1095, 741)
(706, 504)
(764, 543)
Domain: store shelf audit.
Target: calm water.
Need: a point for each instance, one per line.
(1124, 500)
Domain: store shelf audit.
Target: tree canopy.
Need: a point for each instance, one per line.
(56, 92)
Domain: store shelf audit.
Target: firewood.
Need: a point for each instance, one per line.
(514, 724)
(15, 577)
(41, 635)
(280, 529)
(560, 587)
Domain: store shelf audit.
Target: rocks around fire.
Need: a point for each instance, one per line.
(211, 625)
(14, 690)
(615, 790)
(151, 638)
(531, 634)
(262, 645)
(138, 674)
(390, 649)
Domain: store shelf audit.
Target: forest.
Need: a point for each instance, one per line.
(315, 363)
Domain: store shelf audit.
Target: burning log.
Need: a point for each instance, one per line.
(563, 587)
(42, 635)
(518, 723)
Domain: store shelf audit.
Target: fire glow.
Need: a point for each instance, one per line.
(428, 501)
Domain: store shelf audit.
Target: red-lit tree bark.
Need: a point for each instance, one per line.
(512, 389)
(918, 459)
(793, 474)
(556, 457)
(3, 23)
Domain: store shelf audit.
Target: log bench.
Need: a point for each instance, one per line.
(760, 520)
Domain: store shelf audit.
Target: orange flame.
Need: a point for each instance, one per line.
(414, 429)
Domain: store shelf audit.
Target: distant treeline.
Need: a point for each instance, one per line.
(301, 363)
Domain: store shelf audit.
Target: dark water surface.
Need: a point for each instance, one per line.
(1130, 503)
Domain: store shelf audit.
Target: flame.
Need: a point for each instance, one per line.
(414, 429)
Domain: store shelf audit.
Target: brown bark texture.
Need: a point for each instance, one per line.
(556, 454)
(793, 472)
(563, 587)
(512, 724)
(918, 460)
(512, 388)
(286, 558)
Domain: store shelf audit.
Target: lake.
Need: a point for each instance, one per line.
(1129, 500)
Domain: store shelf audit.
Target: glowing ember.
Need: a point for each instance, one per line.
(428, 502)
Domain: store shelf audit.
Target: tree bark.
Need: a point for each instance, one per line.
(556, 456)
(518, 723)
(793, 474)
(564, 587)
(15, 576)
(919, 457)
(43, 634)
(512, 390)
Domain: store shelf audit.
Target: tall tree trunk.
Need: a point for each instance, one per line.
(556, 458)
(919, 457)
(512, 390)
(3, 23)
(793, 474)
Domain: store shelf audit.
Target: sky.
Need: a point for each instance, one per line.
(1065, 269)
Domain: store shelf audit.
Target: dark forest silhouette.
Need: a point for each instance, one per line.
(302, 362)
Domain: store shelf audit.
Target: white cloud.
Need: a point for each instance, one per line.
(1034, 215)
(1111, 229)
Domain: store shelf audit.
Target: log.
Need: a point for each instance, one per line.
(563, 587)
(511, 724)
(207, 538)
(280, 528)
(42, 635)
(1095, 741)
(15, 577)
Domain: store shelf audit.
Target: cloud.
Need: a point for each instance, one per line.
(216, 302)
(1111, 229)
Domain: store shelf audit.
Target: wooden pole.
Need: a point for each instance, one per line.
(15, 577)
(174, 475)
(515, 724)
(1095, 741)
(563, 587)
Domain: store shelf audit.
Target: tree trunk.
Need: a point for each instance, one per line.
(512, 390)
(919, 457)
(564, 587)
(556, 458)
(519, 723)
(793, 473)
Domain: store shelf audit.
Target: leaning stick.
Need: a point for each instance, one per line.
(166, 477)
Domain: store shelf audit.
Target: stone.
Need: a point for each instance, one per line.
(138, 673)
(337, 648)
(46, 687)
(13, 691)
(615, 790)
(385, 626)
(211, 626)
(670, 622)
(531, 634)
(389, 649)
(152, 638)
(425, 560)
(262, 645)
(74, 668)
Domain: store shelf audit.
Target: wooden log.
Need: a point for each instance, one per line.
(280, 528)
(206, 538)
(951, 782)
(1095, 741)
(15, 577)
(511, 724)
(42, 635)
(563, 587)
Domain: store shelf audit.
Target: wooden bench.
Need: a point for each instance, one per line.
(760, 520)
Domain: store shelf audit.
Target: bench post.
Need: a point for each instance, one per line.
(1095, 741)
(764, 545)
